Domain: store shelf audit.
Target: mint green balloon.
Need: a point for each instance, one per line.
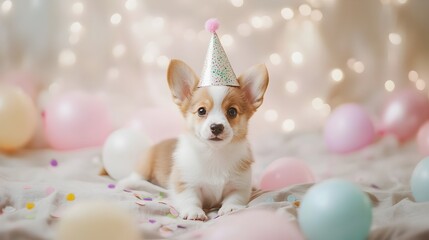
(335, 209)
(420, 181)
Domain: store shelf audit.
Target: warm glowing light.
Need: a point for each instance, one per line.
(271, 115)
(162, 61)
(227, 40)
(389, 85)
(395, 38)
(158, 23)
(267, 22)
(76, 27)
(402, 1)
(237, 3)
(337, 74)
(326, 109)
(66, 57)
(275, 59)
(291, 86)
(297, 57)
(119, 50)
(77, 8)
(351, 62)
(317, 103)
(244, 29)
(287, 13)
(116, 18)
(413, 76)
(256, 22)
(131, 5)
(358, 67)
(420, 84)
(148, 58)
(6, 6)
(305, 10)
(288, 125)
(316, 15)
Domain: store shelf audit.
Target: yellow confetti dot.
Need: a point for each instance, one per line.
(30, 205)
(70, 197)
(297, 204)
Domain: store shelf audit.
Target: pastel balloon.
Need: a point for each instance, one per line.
(159, 123)
(423, 139)
(76, 120)
(335, 210)
(121, 151)
(285, 172)
(18, 118)
(420, 181)
(404, 113)
(349, 128)
(97, 220)
(254, 225)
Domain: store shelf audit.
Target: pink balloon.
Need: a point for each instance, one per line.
(76, 120)
(348, 128)
(285, 172)
(254, 225)
(160, 124)
(26, 81)
(404, 113)
(423, 139)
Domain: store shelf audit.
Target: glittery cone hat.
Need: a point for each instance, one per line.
(217, 70)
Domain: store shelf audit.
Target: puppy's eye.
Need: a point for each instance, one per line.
(232, 112)
(202, 112)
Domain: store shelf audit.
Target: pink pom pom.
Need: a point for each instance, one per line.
(212, 25)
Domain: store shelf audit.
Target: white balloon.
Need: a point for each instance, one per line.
(121, 151)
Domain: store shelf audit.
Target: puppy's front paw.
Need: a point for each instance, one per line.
(227, 208)
(193, 213)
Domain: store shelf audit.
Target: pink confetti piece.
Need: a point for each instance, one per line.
(57, 213)
(138, 196)
(54, 163)
(174, 212)
(111, 186)
(49, 190)
(141, 203)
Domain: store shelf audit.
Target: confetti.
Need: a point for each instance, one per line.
(141, 203)
(30, 217)
(111, 186)
(161, 195)
(147, 199)
(297, 204)
(152, 221)
(291, 198)
(54, 163)
(375, 186)
(165, 231)
(138, 196)
(171, 216)
(174, 212)
(181, 226)
(70, 197)
(30, 205)
(127, 190)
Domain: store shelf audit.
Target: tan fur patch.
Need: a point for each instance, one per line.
(179, 185)
(244, 165)
(156, 166)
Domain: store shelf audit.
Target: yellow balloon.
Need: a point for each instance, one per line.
(18, 117)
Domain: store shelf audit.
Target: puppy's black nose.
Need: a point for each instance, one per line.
(216, 128)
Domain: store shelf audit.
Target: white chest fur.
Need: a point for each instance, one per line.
(211, 170)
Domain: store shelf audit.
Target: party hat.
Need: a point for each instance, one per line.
(217, 70)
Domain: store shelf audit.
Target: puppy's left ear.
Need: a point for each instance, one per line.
(254, 82)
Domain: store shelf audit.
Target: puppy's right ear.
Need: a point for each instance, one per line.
(181, 80)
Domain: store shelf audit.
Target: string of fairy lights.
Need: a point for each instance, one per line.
(126, 18)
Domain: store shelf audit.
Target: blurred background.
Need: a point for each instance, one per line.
(319, 53)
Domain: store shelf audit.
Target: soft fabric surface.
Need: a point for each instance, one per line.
(383, 170)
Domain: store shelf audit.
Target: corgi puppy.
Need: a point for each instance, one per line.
(210, 164)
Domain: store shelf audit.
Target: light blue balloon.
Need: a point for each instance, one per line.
(335, 209)
(420, 181)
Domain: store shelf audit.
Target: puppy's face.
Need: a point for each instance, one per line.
(217, 115)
